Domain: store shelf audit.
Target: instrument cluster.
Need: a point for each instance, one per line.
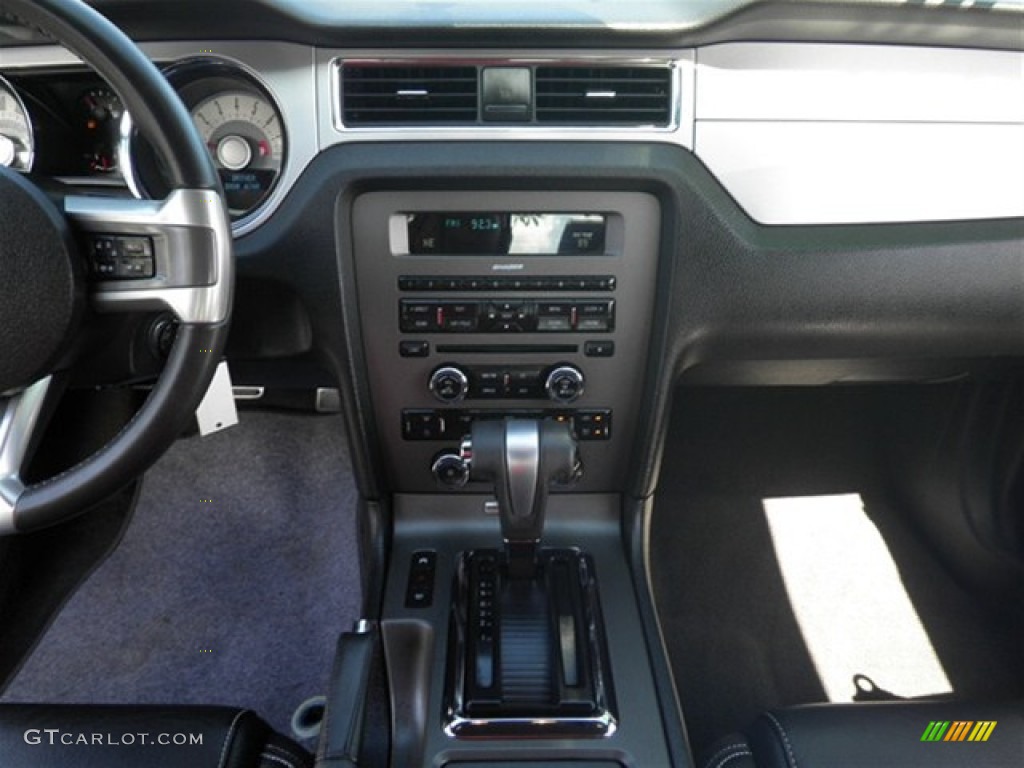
(60, 124)
(72, 126)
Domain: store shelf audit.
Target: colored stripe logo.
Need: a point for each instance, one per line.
(958, 730)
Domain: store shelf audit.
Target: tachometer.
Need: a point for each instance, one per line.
(243, 132)
(17, 141)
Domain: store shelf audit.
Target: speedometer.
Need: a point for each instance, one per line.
(17, 142)
(244, 134)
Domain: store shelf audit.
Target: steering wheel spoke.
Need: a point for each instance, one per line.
(156, 254)
(21, 419)
(173, 254)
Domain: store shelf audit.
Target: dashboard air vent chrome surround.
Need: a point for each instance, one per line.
(403, 94)
(603, 95)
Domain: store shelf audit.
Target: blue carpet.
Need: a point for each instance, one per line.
(236, 600)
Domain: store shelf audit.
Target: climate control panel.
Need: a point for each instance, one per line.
(561, 383)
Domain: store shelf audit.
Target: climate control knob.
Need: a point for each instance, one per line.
(450, 470)
(564, 384)
(449, 384)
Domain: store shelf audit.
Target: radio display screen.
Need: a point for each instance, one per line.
(506, 234)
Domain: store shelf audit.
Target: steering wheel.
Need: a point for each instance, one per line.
(43, 288)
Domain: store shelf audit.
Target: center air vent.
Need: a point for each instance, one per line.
(382, 94)
(603, 95)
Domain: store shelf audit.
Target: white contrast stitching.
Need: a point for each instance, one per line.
(722, 751)
(227, 738)
(296, 758)
(730, 758)
(785, 739)
(279, 760)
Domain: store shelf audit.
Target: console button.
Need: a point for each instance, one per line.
(422, 425)
(550, 324)
(414, 348)
(593, 425)
(461, 317)
(419, 592)
(525, 383)
(554, 316)
(418, 316)
(603, 348)
(594, 316)
(409, 283)
(592, 324)
(489, 383)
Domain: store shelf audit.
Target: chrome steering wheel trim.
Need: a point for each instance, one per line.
(193, 277)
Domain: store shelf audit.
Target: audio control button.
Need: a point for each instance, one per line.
(600, 348)
(414, 348)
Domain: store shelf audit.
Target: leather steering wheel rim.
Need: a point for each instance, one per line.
(195, 277)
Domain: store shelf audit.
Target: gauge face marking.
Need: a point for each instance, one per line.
(17, 139)
(244, 114)
(243, 132)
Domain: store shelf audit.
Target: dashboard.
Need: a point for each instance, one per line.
(823, 181)
(446, 212)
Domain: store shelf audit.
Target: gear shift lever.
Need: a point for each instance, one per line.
(522, 457)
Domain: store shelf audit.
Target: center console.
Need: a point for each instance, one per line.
(505, 336)
(486, 304)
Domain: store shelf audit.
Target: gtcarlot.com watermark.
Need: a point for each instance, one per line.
(55, 736)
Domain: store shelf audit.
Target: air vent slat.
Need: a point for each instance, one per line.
(379, 94)
(604, 95)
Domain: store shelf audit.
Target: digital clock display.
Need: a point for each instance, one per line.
(506, 234)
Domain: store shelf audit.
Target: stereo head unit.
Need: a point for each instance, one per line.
(489, 233)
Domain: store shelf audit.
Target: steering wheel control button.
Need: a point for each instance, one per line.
(449, 384)
(564, 384)
(121, 257)
(419, 591)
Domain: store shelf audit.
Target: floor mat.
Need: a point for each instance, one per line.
(737, 638)
(231, 585)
